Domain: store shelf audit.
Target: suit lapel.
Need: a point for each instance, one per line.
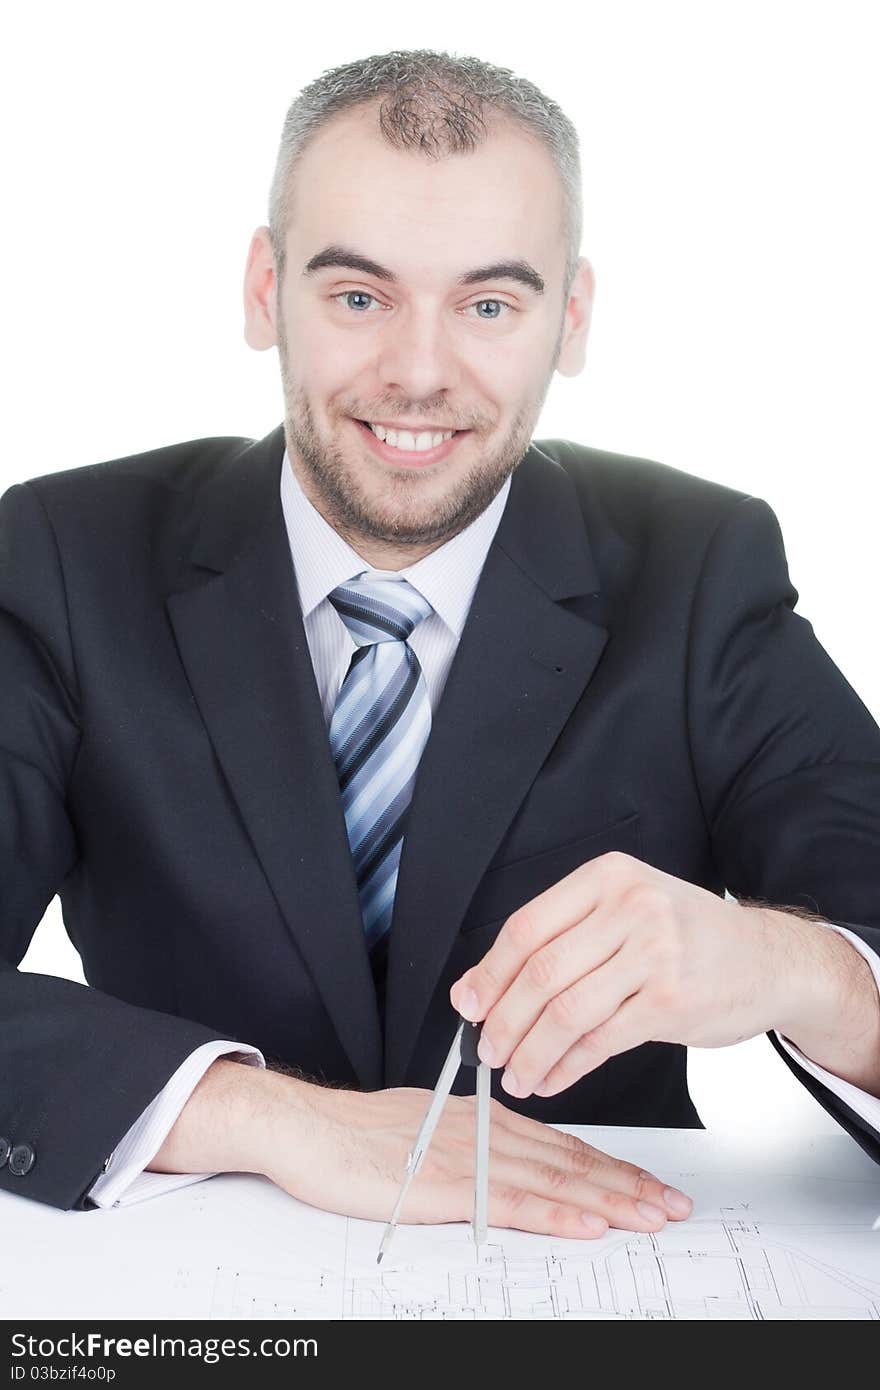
(521, 667)
(241, 638)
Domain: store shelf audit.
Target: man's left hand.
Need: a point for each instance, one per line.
(617, 954)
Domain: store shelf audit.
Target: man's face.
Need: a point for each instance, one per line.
(417, 348)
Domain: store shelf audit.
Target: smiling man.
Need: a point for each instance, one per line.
(417, 713)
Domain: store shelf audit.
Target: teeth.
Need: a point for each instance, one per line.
(405, 439)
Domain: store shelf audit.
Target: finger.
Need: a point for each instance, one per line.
(538, 1201)
(590, 1001)
(573, 899)
(541, 1145)
(552, 969)
(630, 1026)
(516, 1209)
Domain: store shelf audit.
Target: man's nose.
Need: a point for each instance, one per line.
(417, 355)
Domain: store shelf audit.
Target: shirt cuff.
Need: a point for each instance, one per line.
(866, 1106)
(123, 1180)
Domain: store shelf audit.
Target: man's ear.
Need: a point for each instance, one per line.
(260, 293)
(578, 313)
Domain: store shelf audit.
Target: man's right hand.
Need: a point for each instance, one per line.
(346, 1152)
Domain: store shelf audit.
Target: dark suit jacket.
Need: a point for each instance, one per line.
(631, 676)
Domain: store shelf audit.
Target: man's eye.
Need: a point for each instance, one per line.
(347, 296)
(496, 306)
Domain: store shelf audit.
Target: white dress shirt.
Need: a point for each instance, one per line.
(447, 578)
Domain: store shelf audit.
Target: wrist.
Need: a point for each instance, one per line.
(227, 1124)
(832, 1009)
(794, 969)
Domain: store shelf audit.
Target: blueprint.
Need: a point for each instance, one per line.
(784, 1232)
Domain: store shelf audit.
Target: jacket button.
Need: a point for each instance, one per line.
(21, 1160)
(4, 1150)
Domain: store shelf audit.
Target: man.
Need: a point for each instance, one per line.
(393, 710)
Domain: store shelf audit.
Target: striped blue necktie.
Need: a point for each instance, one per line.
(379, 727)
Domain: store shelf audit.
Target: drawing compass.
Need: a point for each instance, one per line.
(462, 1053)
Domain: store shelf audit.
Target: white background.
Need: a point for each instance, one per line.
(729, 157)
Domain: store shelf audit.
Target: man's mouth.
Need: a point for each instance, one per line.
(409, 448)
(413, 440)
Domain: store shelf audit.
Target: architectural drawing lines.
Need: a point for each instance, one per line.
(779, 1231)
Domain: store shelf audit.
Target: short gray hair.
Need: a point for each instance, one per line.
(432, 102)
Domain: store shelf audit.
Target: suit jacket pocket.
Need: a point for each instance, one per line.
(506, 888)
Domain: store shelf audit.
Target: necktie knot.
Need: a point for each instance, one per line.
(379, 610)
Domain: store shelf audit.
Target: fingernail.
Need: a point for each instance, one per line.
(650, 1213)
(596, 1225)
(486, 1052)
(510, 1083)
(677, 1202)
(467, 1004)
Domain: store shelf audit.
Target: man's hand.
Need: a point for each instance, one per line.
(539, 1179)
(346, 1151)
(619, 953)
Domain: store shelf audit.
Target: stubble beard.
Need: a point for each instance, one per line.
(400, 517)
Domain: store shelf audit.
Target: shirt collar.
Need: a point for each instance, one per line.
(322, 559)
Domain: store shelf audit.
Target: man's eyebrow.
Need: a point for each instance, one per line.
(348, 260)
(505, 270)
(342, 257)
